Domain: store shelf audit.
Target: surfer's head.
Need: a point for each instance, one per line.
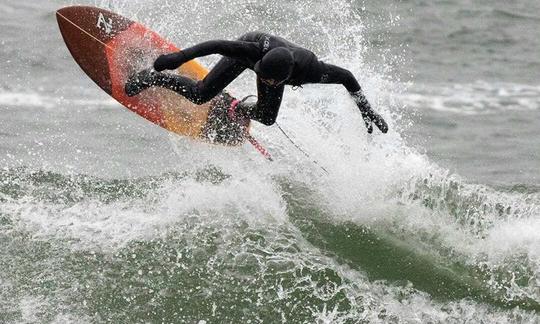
(276, 66)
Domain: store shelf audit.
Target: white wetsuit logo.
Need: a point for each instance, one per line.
(266, 44)
(103, 24)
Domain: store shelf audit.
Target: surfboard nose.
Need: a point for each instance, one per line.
(86, 32)
(101, 23)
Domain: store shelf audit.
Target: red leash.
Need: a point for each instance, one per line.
(258, 146)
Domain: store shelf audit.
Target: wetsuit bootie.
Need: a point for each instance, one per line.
(139, 82)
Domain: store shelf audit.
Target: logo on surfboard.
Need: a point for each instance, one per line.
(104, 24)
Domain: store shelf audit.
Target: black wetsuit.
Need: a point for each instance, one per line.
(243, 54)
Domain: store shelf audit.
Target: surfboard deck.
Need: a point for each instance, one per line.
(110, 48)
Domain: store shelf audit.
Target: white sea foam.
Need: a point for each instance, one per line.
(473, 98)
(50, 102)
(92, 224)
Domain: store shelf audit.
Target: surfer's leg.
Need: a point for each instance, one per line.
(221, 75)
(198, 92)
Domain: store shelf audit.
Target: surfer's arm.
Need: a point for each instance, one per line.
(266, 109)
(336, 75)
(233, 49)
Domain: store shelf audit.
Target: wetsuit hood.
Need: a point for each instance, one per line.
(277, 64)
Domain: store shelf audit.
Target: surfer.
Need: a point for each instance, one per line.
(276, 61)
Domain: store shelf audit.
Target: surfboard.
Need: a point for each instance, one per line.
(110, 48)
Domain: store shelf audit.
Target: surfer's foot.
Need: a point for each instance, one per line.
(139, 82)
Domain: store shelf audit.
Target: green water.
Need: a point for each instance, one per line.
(217, 266)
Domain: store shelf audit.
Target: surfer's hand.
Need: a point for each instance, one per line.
(371, 117)
(368, 114)
(169, 61)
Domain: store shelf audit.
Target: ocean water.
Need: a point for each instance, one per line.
(106, 218)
